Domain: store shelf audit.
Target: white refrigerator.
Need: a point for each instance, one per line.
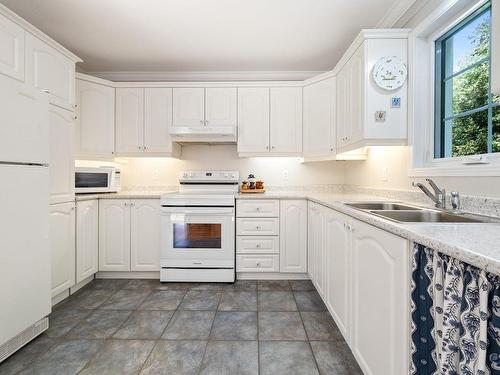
(25, 299)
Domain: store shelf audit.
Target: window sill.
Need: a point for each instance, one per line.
(457, 171)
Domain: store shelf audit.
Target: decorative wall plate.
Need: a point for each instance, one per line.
(389, 73)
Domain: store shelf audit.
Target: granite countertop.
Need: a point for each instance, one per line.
(477, 244)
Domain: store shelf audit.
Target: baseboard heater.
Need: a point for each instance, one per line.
(17, 342)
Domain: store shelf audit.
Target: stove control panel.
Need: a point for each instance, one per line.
(209, 177)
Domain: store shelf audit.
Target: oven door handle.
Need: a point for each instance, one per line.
(198, 210)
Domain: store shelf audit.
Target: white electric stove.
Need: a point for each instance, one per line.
(198, 228)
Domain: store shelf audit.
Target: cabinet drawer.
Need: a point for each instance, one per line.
(257, 244)
(258, 208)
(257, 226)
(257, 263)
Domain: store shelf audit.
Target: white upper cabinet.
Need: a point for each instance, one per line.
(129, 120)
(11, 49)
(114, 235)
(293, 236)
(286, 120)
(145, 235)
(87, 239)
(95, 132)
(253, 120)
(62, 246)
(61, 155)
(157, 119)
(380, 299)
(189, 107)
(320, 119)
(220, 107)
(49, 70)
(495, 47)
(366, 115)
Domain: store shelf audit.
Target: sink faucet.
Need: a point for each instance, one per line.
(439, 196)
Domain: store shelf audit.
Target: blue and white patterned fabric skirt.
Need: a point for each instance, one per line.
(455, 317)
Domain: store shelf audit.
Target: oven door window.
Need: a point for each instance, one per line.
(197, 235)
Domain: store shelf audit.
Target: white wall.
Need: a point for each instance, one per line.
(137, 172)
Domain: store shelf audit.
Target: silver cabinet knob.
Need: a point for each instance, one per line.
(126, 204)
(257, 227)
(201, 122)
(258, 264)
(257, 246)
(257, 209)
(267, 147)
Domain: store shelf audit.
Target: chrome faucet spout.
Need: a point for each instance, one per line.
(434, 187)
(427, 192)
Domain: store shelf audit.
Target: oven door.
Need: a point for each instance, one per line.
(198, 237)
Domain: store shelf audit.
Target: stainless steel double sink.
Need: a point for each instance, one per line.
(403, 213)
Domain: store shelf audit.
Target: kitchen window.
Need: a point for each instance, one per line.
(467, 114)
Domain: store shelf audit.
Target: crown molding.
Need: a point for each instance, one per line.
(208, 76)
(38, 33)
(398, 10)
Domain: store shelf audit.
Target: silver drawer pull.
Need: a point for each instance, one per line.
(257, 208)
(257, 227)
(257, 246)
(258, 264)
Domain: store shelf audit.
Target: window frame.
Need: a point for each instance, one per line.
(422, 45)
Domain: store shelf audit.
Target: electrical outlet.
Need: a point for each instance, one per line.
(385, 174)
(285, 175)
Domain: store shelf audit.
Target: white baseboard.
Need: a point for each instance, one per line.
(271, 276)
(60, 297)
(81, 284)
(128, 275)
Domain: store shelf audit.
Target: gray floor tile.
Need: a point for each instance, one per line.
(230, 325)
(86, 298)
(63, 320)
(163, 300)
(230, 358)
(175, 358)
(126, 299)
(281, 326)
(320, 326)
(141, 284)
(302, 285)
(286, 358)
(238, 301)
(66, 357)
(99, 325)
(26, 356)
(144, 325)
(120, 357)
(113, 284)
(276, 301)
(200, 300)
(189, 325)
(216, 287)
(309, 301)
(335, 358)
(273, 285)
(247, 285)
(175, 286)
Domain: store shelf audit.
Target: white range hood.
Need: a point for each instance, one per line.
(203, 134)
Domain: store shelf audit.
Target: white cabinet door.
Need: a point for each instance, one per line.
(49, 70)
(189, 106)
(337, 262)
(87, 239)
(220, 106)
(319, 119)
(157, 120)
(286, 120)
(356, 96)
(62, 246)
(145, 235)
(253, 120)
(320, 251)
(11, 49)
(129, 120)
(114, 235)
(343, 112)
(293, 236)
(95, 131)
(312, 234)
(380, 293)
(61, 155)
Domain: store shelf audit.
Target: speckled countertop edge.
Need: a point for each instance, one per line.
(476, 244)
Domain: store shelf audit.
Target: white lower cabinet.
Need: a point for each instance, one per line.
(293, 236)
(362, 274)
(129, 235)
(145, 235)
(62, 246)
(87, 239)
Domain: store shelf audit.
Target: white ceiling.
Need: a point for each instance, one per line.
(203, 35)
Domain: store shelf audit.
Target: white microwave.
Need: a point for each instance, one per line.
(97, 180)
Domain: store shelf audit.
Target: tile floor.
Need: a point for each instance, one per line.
(144, 326)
